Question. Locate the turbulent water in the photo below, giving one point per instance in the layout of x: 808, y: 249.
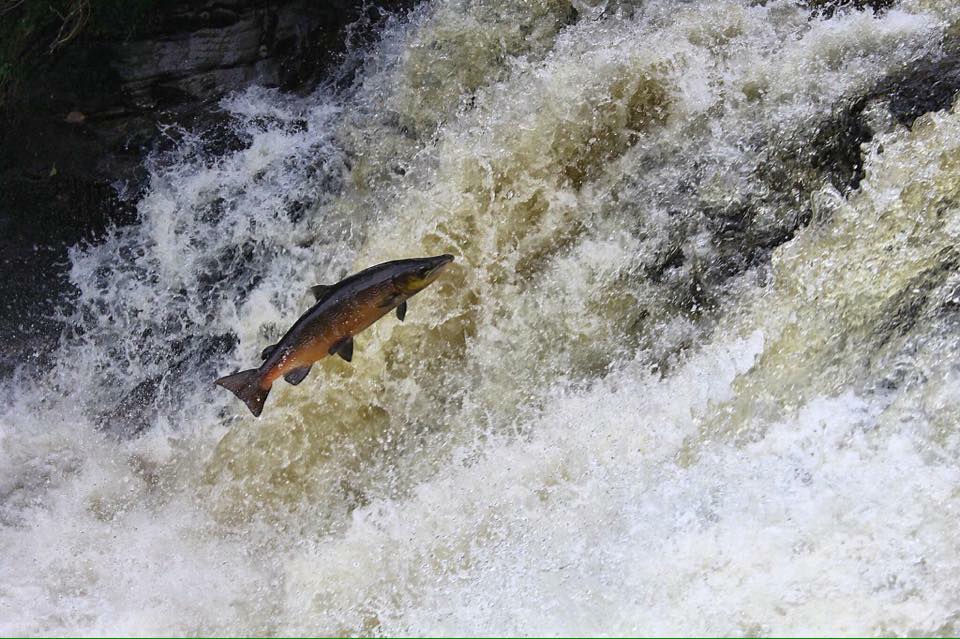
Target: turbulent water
x: 696, y: 368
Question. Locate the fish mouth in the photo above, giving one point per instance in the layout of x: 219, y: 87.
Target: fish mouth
x: 440, y: 262
x: 421, y: 273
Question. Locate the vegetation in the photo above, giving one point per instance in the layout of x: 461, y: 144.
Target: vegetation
x: 33, y: 30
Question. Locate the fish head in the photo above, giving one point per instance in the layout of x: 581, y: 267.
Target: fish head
x: 418, y: 274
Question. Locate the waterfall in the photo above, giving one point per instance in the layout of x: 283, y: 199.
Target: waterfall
x: 693, y: 371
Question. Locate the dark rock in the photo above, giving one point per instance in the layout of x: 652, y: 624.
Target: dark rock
x: 197, y: 357
x: 836, y: 153
x: 826, y: 8
x: 930, y: 85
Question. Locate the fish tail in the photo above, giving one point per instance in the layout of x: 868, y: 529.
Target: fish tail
x: 246, y: 386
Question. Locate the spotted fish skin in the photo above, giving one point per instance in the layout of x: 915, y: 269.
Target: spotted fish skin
x: 328, y: 327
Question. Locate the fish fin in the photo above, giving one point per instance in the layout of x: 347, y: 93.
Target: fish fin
x: 265, y: 353
x: 390, y: 300
x: 343, y: 348
x: 246, y: 386
x: 402, y: 310
x: 296, y: 375
x: 320, y: 291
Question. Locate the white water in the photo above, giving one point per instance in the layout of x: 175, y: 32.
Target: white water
x: 620, y: 413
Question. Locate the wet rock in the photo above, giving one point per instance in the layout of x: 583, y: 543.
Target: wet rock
x: 836, y: 152
x: 826, y: 8
x: 746, y: 230
x: 134, y: 411
x: 929, y: 85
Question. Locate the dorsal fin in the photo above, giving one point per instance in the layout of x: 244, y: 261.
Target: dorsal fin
x: 320, y: 291
x: 265, y: 353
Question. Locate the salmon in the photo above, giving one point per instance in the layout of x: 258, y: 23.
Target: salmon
x: 341, y: 311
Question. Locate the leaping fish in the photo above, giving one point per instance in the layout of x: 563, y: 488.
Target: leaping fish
x: 341, y: 311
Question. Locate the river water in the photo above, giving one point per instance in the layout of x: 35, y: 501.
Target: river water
x: 694, y: 370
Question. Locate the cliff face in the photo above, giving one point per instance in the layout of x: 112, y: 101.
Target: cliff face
x: 75, y: 131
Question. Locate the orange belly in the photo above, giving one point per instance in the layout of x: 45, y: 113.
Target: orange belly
x: 347, y: 322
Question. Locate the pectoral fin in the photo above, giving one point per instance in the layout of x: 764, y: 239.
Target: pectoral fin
x: 296, y: 375
x: 320, y: 291
x: 402, y: 311
x: 390, y: 300
x: 343, y: 348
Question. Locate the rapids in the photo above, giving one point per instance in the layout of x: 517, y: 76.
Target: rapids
x: 695, y: 369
